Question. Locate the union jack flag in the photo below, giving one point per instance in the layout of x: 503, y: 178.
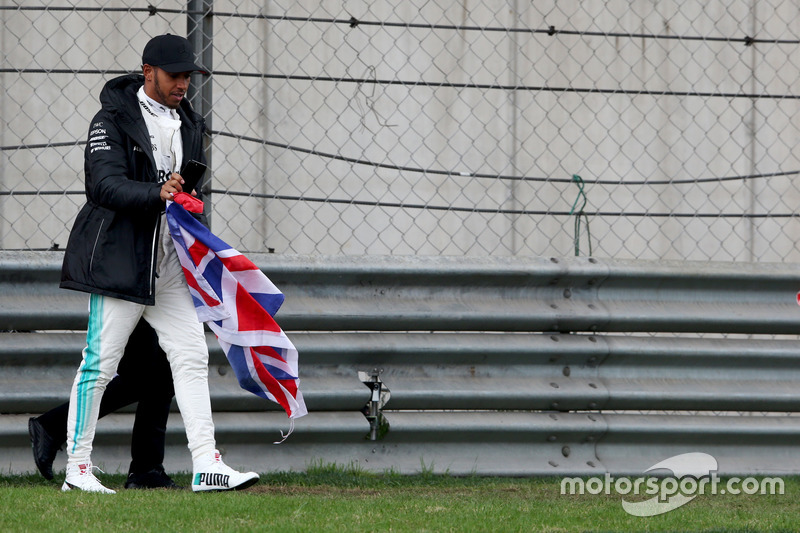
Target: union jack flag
x: 238, y: 302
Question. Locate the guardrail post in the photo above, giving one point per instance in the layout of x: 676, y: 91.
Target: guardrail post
x: 378, y: 426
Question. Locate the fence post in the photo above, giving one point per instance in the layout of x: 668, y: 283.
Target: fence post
x: 200, y: 31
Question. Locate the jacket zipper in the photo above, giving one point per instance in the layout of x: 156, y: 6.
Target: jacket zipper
x: 154, y: 256
x: 96, y: 238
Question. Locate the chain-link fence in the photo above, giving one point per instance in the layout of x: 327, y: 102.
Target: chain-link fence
x: 630, y: 129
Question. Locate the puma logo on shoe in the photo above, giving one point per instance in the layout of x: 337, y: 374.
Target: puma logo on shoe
x: 211, y: 479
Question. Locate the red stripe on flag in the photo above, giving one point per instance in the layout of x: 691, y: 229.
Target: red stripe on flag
x: 252, y: 317
x: 198, y: 251
x: 269, y: 351
x: 192, y: 282
x: 290, y: 385
x: 238, y: 263
x: 269, y: 381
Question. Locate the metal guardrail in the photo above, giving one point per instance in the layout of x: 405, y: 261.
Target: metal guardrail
x: 496, y: 366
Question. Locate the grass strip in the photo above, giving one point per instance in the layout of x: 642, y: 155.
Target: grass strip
x: 334, y: 498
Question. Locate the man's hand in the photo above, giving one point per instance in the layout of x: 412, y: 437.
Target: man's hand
x: 172, y: 186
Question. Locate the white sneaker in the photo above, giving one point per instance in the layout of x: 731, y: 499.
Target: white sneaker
x: 80, y: 476
x: 211, y: 474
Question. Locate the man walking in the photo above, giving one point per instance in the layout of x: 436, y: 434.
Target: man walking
x: 121, y: 252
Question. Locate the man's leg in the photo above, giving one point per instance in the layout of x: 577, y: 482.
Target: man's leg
x: 182, y: 338
x: 150, y: 371
x: 49, y: 431
x: 111, y: 322
x: 148, y: 445
x: 144, y: 376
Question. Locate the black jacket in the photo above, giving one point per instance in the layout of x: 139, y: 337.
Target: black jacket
x: 111, y: 249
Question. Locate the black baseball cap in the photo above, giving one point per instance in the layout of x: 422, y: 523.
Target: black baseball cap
x: 171, y: 53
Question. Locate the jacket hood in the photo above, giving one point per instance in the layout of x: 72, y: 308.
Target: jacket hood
x: 119, y: 96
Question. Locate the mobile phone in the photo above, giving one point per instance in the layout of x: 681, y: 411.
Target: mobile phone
x: 192, y: 173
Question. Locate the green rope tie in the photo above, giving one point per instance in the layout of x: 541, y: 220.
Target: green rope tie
x: 577, y: 228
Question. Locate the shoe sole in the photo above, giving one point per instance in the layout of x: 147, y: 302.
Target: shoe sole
x: 66, y: 487
x: 147, y: 487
